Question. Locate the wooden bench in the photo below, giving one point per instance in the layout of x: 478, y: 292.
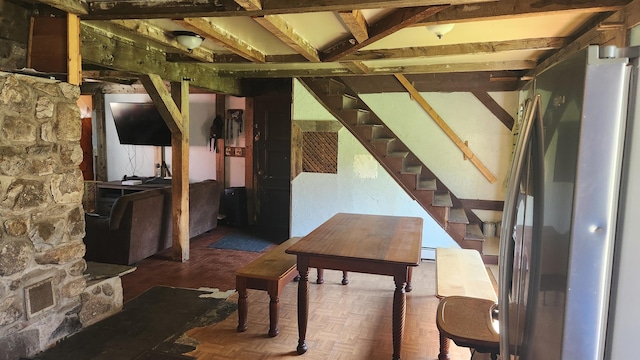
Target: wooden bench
x: 465, y: 313
x: 270, y: 272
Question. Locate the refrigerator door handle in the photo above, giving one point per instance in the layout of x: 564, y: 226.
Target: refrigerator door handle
x: 505, y: 273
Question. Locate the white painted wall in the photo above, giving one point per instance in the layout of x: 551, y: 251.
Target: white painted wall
x: 138, y: 160
x: 362, y: 186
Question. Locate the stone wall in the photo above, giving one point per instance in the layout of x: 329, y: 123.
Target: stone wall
x: 41, y: 215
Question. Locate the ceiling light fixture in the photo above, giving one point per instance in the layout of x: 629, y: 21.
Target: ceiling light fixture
x: 188, y: 39
x: 440, y: 29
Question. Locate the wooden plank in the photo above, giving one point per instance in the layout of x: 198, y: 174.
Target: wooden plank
x: 180, y: 179
x: 356, y: 23
x: 382, y: 28
x: 461, y: 272
x: 47, y: 50
x: 74, y: 62
x: 76, y: 7
x: 447, y: 130
x: 211, y: 31
x: 185, y: 8
x: 279, y: 27
x: 495, y: 108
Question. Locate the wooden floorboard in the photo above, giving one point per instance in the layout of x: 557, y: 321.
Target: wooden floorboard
x: 351, y: 322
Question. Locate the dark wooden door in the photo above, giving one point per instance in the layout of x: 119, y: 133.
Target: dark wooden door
x: 272, y: 163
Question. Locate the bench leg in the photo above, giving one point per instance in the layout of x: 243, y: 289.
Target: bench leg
x: 241, y: 286
x: 444, y: 348
x: 274, y: 309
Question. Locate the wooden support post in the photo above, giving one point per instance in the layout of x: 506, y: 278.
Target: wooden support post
x: 74, y: 63
x: 250, y: 175
x: 97, y: 100
x: 174, y: 109
x: 180, y: 179
x: 447, y: 130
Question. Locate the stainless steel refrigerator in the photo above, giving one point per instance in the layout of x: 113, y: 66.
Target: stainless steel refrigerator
x: 569, y: 255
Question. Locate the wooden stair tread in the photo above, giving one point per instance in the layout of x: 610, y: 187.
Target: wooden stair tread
x: 458, y: 216
x: 416, y: 169
x: 399, y: 154
x: 474, y: 233
x: 427, y: 185
x: 443, y: 199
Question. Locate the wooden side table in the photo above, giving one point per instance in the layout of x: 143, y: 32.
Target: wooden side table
x: 469, y: 323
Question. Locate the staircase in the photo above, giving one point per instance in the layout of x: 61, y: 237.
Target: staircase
x: 405, y: 167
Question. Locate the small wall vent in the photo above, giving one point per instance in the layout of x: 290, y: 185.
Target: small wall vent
x: 39, y: 297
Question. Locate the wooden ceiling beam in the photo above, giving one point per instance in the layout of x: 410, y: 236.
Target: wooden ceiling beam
x: 356, y: 67
x: 340, y: 70
x: 279, y: 27
x: 384, y: 27
x: 223, y: 38
x: 140, y: 9
x: 250, y: 4
x: 108, y: 51
x: 356, y: 23
x: 507, y: 9
x: 148, y: 31
x: 445, y: 82
x: 460, y: 49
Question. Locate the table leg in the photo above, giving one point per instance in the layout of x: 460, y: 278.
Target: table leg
x: 303, y: 304
x: 345, y: 278
x: 444, y: 348
x: 241, y: 286
x: 409, y: 287
x: 320, y: 278
x: 399, y: 310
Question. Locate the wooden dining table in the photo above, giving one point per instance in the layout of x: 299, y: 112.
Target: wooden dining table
x: 372, y: 244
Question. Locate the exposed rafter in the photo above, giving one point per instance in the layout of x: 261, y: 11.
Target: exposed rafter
x: 356, y: 23
x: 386, y: 26
x: 209, y: 30
x: 276, y: 25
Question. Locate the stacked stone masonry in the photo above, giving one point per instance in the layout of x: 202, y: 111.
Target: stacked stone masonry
x: 41, y: 216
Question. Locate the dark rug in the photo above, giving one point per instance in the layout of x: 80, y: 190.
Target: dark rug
x: 148, y: 327
x: 242, y: 242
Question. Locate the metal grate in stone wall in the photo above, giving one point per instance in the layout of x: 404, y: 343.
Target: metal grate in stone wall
x: 320, y: 152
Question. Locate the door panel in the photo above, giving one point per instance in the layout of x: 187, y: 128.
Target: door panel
x: 272, y: 154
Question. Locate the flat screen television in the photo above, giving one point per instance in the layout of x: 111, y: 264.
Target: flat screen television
x: 140, y: 124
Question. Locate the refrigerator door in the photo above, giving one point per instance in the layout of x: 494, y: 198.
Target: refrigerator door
x: 564, y: 221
